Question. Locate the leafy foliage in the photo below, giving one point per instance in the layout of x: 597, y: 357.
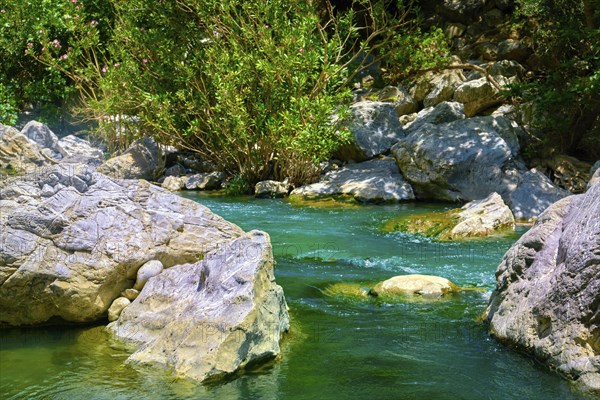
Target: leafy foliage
x: 565, y: 92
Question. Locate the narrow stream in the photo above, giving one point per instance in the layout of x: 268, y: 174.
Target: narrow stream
x: 338, y: 348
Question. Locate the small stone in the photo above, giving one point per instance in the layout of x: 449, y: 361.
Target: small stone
x: 147, y: 271
x: 117, y: 307
x: 130, y: 294
x: 415, y: 284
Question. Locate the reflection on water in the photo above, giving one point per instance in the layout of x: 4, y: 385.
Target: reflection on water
x: 337, y: 348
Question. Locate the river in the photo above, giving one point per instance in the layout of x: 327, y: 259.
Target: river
x: 338, y: 348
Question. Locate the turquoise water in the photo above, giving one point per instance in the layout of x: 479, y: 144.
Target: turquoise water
x: 338, y: 348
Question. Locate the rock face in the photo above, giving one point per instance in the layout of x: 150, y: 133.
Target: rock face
x: 423, y: 285
x: 375, y: 127
x: 375, y: 181
x: 475, y: 219
x: 210, y: 318
x: 548, y: 290
x: 18, y: 152
x: 71, y: 240
x: 142, y: 160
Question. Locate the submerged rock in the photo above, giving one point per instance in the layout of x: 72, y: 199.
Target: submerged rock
x: 427, y: 286
x: 548, y: 290
x: 375, y: 181
x: 475, y: 219
x: 210, y: 318
x: 68, y: 254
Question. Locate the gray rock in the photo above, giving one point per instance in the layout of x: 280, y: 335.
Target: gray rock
x: 511, y: 49
x: 142, y: 160
x: 211, y: 318
x: 19, y: 153
x: 270, y: 189
x: 206, y: 181
x: 594, y: 179
x: 478, y: 95
x: 375, y: 127
x: 174, y: 183
x: 117, y: 307
x: 459, y: 161
x: 70, y: 255
x: 400, y: 98
x: 443, y: 86
x: 533, y: 194
x: 175, y: 170
x: 548, y: 290
x: 45, y: 139
x: 373, y: 181
x: 73, y: 145
x: 441, y: 113
x: 483, y: 217
x: 595, y: 167
x: 507, y: 68
x: 463, y: 11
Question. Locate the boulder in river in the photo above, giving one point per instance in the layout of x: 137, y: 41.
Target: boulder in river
x: 427, y: 286
x: 374, y: 181
x: 270, y: 189
x: 548, y: 290
x: 71, y: 240
x: 210, y: 318
x: 475, y: 219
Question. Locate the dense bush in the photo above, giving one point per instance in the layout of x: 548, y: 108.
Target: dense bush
x: 53, y: 31
x: 565, y: 92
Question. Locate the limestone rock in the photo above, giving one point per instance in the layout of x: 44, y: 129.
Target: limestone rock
x: 45, y: 139
x: 463, y: 11
x: 442, y: 113
x: 375, y: 127
x: 147, y: 271
x: 73, y: 145
x: 424, y: 285
x: 548, y: 290
x: 270, y: 189
x: 400, y: 98
x: 443, y: 87
x: 174, y: 183
x: 458, y: 161
x: 478, y: 95
x: 19, y: 153
x: 205, y: 181
x: 511, y: 49
x: 142, y: 160
x: 506, y: 68
x: 70, y: 255
x: 175, y: 170
x: 117, y: 307
x: 210, y: 318
x: 475, y: 219
x: 483, y: 217
x: 534, y: 192
x: 373, y: 181
x: 130, y: 294
x: 594, y: 179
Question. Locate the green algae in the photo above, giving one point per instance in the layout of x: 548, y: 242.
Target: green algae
x: 334, y: 201
x: 436, y: 225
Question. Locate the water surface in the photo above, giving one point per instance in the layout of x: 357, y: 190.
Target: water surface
x: 338, y: 348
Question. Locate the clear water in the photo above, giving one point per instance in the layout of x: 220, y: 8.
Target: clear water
x: 338, y: 349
